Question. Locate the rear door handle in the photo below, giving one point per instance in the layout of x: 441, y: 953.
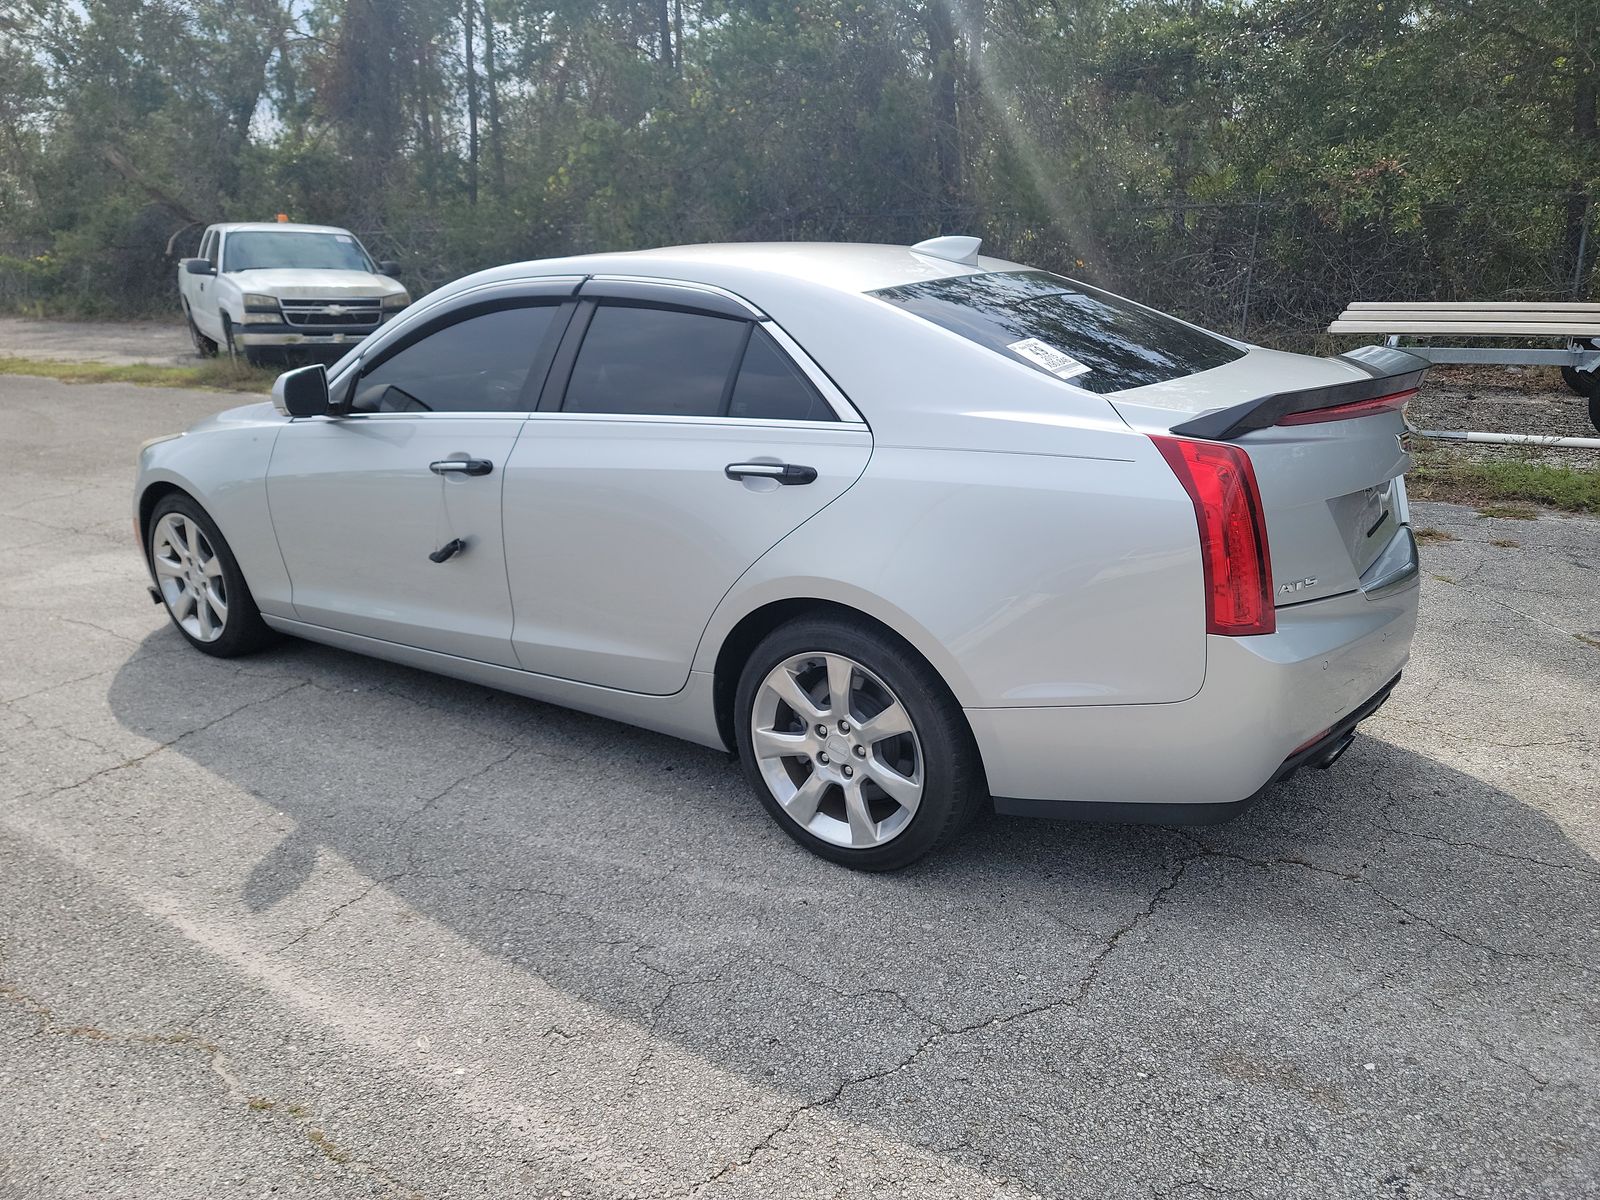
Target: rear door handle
x: 789, y: 473
x: 461, y: 466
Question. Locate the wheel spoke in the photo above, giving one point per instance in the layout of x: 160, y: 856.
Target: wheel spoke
x: 769, y: 743
x: 191, y: 539
x: 903, y: 791
x: 891, y: 722
x: 215, y: 603
x: 184, y: 606
x: 863, y: 830
x: 212, y: 567
x: 169, y: 568
x: 839, y: 672
x: 802, y: 806
x: 202, y: 613
x: 789, y: 690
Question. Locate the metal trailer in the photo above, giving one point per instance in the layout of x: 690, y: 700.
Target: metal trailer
x: 1412, y: 326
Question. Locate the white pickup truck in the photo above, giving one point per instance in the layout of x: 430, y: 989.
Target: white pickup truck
x: 269, y: 288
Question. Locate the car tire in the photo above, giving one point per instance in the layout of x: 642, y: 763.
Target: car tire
x: 199, y: 580
x: 204, y: 347
x: 827, y: 789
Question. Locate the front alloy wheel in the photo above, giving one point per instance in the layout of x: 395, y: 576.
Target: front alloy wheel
x: 190, y: 577
x: 854, y: 744
x: 199, y: 580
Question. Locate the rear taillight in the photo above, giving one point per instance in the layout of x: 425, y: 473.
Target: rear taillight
x: 1348, y: 412
x: 1233, y: 533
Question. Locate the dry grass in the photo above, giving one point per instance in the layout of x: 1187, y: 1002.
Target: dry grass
x: 1506, y: 488
x: 219, y: 374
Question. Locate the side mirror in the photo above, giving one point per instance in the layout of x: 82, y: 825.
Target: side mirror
x: 302, y: 392
x: 388, y: 266
x: 199, y: 266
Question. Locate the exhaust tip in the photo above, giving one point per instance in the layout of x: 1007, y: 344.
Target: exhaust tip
x: 1335, y: 752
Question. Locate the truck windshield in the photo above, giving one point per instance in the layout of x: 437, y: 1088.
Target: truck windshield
x: 258, y: 250
x: 1097, y: 341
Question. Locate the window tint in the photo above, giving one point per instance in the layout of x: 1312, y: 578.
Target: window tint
x: 476, y: 365
x: 771, y: 387
x: 655, y: 362
x: 1100, y: 342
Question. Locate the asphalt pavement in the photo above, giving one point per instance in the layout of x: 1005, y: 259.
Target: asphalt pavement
x: 307, y: 924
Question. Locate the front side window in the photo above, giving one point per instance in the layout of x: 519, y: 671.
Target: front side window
x: 208, y: 247
x: 256, y: 250
x: 479, y: 364
x: 1097, y: 341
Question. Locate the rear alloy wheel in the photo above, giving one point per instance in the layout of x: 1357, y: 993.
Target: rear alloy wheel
x: 855, y: 745
x: 200, y: 582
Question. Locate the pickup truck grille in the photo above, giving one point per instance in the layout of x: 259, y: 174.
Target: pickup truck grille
x: 341, y: 313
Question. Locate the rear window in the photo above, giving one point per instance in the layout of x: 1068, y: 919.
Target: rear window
x: 1070, y: 331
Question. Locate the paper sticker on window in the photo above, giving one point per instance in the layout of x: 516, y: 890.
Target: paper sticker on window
x: 1058, y: 363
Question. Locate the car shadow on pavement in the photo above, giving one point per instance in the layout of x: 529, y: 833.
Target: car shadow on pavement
x: 1370, y: 942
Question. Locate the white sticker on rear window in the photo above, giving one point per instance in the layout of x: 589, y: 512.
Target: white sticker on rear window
x: 1059, y: 363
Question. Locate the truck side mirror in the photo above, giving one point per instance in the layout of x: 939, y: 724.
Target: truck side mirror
x: 388, y: 266
x: 302, y: 392
x: 199, y: 266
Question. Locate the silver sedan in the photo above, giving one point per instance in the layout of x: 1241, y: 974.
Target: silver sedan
x: 914, y: 531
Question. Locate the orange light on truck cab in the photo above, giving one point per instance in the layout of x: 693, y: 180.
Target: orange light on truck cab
x: 283, y: 218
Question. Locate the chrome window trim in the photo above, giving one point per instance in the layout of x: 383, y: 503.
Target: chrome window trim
x: 658, y: 419
x: 665, y: 283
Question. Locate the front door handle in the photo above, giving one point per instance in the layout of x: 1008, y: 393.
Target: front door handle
x: 461, y: 466
x: 788, y: 473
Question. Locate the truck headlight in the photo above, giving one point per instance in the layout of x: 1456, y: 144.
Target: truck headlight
x: 260, y: 308
x: 394, y: 303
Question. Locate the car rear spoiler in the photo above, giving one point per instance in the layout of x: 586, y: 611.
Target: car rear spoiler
x: 1389, y: 373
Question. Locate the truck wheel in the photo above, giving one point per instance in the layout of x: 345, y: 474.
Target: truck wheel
x: 203, y: 346
x: 1581, y: 382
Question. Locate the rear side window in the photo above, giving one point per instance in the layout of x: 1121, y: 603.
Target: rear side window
x: 770, y: 387
x: 1100, y: 342
x: 479, y: 364
x: 666, y: 363
x: 654, y: 362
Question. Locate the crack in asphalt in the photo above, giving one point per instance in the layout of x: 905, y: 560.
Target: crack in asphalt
x: 137, y: 759
x: 1474, y: 740
x: 1388, y: 826
x: 49, y: 1024
x: 940, y: 1033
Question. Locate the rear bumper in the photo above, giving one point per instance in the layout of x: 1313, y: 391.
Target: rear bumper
x: 1268, y: 706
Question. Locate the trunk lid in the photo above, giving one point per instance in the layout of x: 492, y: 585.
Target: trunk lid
x: 1330, y: 490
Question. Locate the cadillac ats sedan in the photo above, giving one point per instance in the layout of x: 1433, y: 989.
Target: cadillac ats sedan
x: 913, y: 531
